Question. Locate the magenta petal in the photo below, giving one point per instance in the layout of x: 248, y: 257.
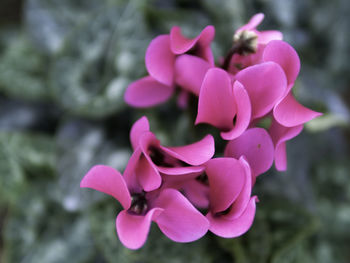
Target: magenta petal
x: 180, y: 220
x: 147, y: 174
x: 160, y: 60
x: 265, y: 37
x: 197, y: 193
x: 138, y: 128
x: 240, y: 204
x: 109, y: 181
x: 253, y: 22
x: 190, y: 72
x: 180, y: 44
x: 133, y: 229
x: 226, y: 180
x: 180, y: 170
x: 280, y: 134
x: 243, y: 112
x: 130, y: 175
x: 283, y: 54
x: 216, y: 104
x: 256, y: 145
x: 236, y: 227
x: 194, y: 154
x: 289, y: 112
x: 266, y: 83
x: 147, y: 92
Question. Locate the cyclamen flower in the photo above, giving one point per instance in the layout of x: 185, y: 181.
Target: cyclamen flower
x: 232, y: 208
x: 248, y: 45
x: 169, y: 209
x: 172, y: 59
x: 150, y: 158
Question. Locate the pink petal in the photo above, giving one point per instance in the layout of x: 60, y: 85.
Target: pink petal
x: 280, y: 134
x: 194, y: 154
x: 180, y: 170
x: 133, y: 229
x: 226, y: 180
x: 289, y: 112
x: 253, y: 22
x: 190, y: 72
x: 216, y: 104
x: 180, y: 44
x: 283, y: 54
x: 197, y: 193
x: 243, y: 112
x: 147, y: 92
x: 266, y: 84
x: 256, y: 145
x: 236, y: 227
x: 130, y: 175
x: 137, y: 129
x: 160, y: 60
x: 180, y: 221
x: 265, y: 37
x: 240, y: 204
x: 147, y: 174
x: 109, y: 181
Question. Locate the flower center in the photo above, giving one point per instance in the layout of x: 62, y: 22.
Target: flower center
x: 138, y: 204
x: 203, y: 178
x: 244, y: 43
x: 160, y: 158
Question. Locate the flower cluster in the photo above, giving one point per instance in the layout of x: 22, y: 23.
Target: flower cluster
x: 168, y: 185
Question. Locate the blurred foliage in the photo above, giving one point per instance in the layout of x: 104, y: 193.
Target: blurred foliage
x: 64, y: 66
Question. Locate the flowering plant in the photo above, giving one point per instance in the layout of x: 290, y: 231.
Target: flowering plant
x: 184, y: 190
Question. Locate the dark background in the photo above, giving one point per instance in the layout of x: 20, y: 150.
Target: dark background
x: 64, y: 66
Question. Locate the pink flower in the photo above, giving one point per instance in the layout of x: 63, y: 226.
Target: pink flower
x: 287, y: 110
x: 172, y: 59
x: 256, y: 146
x: 150, y: 158
x: 172, y: 212
x: 232, y: 208
x: 223, y: 104
x: 250, y: 44
x: 232, y: 107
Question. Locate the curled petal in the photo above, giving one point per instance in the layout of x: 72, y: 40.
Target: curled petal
x: 180, y: 44
x: 236, y: 227
x: 130, y: 175
x: 190, y: 72
x: 109, y: 181
x: 256, y: 145
x: 147, y: 92
x: 180, y: 170
x: 147, y: 174
x: 216, y: 104
x: 280, y: 134
x: 253, y: 22
x: 138, y: 128
x: 242, y: 201
x: 266, y: 83
x: 194, y: 154
x: 226, y: 179
x: 243, y: 112
x: 160, y: 60
x: 180, y: 221
x: 133, y: 229
x: 289, y: 112
x: 285, y: 55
